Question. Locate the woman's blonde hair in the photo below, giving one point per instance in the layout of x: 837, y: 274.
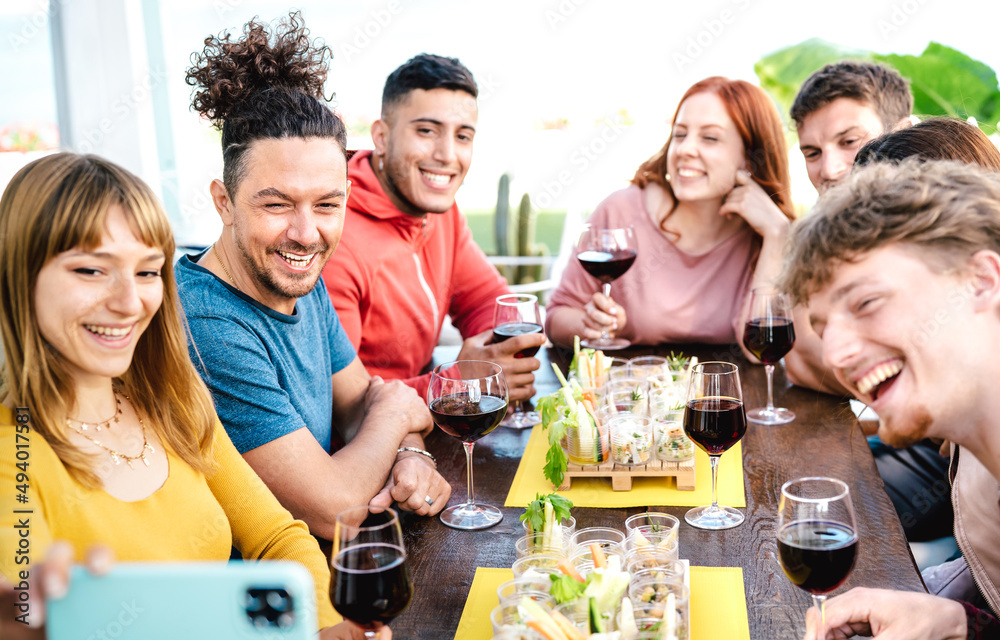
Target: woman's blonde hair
x: 61, y: 202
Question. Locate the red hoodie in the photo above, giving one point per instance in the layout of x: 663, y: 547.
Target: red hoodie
x: 393, y: 278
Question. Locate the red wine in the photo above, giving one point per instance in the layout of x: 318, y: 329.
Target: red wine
x: 460, y: 417
x: 817, y: 556
x: 511, y: 329
x: 606, y: 265
x: 769, y: 339
x: 715, y: 423
x: 371, y: 585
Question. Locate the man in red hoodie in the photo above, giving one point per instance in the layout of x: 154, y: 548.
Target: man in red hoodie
x: 407, y: 257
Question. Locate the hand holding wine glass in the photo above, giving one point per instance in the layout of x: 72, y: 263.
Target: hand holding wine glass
x: 606, y: 254
x: 468, y: 399
x: 714, y: 420
x: 517, y: 314
x: 769, y: 334
x: 817, y: 537
x: 370, y: 583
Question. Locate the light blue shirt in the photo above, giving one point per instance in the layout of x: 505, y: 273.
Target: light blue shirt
x: 269, y: 372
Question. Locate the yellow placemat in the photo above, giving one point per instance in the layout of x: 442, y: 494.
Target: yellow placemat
x: 718, y: 604
x: 596, y: 492
x: 475, y: 622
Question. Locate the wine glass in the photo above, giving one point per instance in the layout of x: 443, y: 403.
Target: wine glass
x: 468, y: 399
x: 370, y: 583
x: 516, y: 314
x: 606, y: 254
x: 714, y: 420
x: 769, y: 334
x: 817, y: 537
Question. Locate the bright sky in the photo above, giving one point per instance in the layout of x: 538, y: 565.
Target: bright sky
x: 535, y: 60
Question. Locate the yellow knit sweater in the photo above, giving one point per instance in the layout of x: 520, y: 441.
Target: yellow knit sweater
x: 190, y: 517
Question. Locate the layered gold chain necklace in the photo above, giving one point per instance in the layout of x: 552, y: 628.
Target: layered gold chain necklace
x: 116, y: 455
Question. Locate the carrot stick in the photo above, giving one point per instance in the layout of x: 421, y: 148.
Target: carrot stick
x: 570, y: 570
x: 600, y: 560
x: 549, y: 633
x: 572, y: 633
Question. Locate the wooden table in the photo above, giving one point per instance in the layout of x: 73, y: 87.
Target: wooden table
x: 825, y: 439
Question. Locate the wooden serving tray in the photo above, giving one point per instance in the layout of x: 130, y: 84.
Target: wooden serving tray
x: 621, y: 475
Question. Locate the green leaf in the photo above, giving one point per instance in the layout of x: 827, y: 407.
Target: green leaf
x: 561, y: 505
x: 945, y: 81
x: 535, y: 513
x: 557, y: 431
x: 555, y: 464
x: 566, y: 589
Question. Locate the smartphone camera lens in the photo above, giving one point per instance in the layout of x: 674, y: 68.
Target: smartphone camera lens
x: 277, y: 600
x: 269, y: 608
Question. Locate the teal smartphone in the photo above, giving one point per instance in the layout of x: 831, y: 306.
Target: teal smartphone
x: 187, y: 601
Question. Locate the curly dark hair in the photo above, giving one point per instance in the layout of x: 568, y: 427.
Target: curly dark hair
x: 263, y: 85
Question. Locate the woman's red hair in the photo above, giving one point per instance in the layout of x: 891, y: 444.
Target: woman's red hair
x: 760, y: 128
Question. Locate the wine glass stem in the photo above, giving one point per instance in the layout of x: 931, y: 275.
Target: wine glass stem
x: 715, y: 481
x: 769, y: 368
x: 471, y: 490
x: 820, y: 602
x: 606, y: 289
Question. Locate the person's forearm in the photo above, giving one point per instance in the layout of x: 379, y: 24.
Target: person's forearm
x: 765, y: 275
x: 803, y: 370
x: 361, y: 470
x: 769, y: 262
x: 564, y: 323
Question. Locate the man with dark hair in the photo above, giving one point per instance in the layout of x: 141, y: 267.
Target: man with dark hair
x: 840, y: 108
x: 290, y: 390
x: 408, y: 258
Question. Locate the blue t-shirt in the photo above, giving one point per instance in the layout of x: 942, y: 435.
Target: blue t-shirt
x: 269, y: 373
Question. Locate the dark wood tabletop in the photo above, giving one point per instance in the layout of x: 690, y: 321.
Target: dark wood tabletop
x: 825, y: 439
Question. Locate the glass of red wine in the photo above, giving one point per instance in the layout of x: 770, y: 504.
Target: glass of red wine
x: 370, y: 584
x: 606, y: 254
x: 769, y: 334
x: 516, y: 314
x: 817, y: 537
x: 468, y: 399
x: 714, y: 420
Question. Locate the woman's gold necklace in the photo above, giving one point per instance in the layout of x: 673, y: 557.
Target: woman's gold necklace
x: 117, y: 456
x: 104, y: 424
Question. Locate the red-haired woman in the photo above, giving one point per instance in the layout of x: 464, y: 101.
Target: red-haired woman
x: 710, y: 210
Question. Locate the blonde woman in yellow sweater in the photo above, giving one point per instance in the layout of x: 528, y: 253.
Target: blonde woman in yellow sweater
x: 124, y: 450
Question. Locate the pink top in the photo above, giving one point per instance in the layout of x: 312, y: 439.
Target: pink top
x: 668, y: 295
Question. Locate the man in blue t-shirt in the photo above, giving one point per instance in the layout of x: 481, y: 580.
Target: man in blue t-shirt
x: 288, y: 386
